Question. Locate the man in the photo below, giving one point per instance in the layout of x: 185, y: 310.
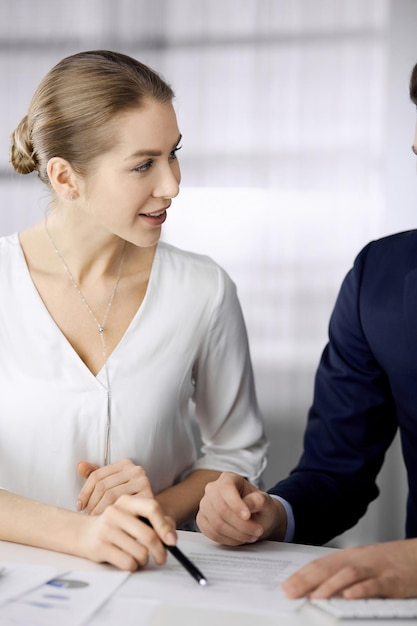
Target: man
x: 366, y: 388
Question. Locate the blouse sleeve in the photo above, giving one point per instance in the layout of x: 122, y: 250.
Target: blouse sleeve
x: 227, y: 412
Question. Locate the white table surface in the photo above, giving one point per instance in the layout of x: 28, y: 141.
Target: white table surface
x: 167, y: 615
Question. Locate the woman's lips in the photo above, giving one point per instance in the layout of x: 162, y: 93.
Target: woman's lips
x: 156, y: 218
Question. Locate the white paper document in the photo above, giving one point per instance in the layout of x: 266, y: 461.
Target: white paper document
x: 19, y: 578
x: 125, y: 611
x: 68, y: 600
x: 246, y: 578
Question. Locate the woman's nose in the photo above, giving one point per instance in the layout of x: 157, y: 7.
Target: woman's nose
x: 168, y: 185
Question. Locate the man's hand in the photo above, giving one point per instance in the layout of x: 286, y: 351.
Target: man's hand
x: 233, y: 512
x: 384, y: 570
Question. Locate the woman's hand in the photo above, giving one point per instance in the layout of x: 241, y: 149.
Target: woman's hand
x: 233, y: 512
x: 106, y: 484
x: 383, y: 570
x: 118, y: 537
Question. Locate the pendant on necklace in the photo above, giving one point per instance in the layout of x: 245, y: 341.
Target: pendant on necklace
x: 100, y: 329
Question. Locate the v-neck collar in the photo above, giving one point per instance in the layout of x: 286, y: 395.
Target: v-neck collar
x: 42, y: 314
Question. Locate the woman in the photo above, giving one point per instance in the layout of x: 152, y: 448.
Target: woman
x: 108, y: 337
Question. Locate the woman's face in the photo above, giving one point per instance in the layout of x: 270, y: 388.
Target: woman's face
x: 131, y: 186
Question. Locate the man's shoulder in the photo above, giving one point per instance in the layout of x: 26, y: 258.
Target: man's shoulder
x: 392, y: 251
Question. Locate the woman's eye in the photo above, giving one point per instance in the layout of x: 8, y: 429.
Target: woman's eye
x: 144, y: 167
x: 173, y: 154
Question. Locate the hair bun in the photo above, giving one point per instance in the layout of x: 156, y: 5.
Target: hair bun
x: 22, y: 158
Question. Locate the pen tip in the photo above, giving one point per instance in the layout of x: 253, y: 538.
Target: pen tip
x: 202, y: 581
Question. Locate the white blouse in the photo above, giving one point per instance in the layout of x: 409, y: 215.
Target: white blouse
x: 183, y: 360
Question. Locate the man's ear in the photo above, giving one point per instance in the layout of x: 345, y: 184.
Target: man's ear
x: 62, y: 177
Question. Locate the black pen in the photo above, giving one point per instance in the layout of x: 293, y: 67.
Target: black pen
x: 181, y: 558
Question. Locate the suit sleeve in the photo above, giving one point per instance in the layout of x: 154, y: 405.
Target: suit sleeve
x: 350, y: 426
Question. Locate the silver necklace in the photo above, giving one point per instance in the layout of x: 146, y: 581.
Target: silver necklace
x: 101, y: 329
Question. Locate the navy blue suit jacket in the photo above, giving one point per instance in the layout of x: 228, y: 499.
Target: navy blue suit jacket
x: 365, y: 388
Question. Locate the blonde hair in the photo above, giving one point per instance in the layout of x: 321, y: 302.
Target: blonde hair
x: 70, y: 113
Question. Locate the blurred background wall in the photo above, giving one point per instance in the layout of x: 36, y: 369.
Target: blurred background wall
x: 296, y: 152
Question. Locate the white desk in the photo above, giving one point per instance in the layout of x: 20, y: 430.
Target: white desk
x: 169, y: 615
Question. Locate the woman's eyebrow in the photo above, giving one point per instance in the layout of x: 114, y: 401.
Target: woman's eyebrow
x: 149, y: 152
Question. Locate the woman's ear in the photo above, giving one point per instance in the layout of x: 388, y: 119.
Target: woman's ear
x: 62, y: 178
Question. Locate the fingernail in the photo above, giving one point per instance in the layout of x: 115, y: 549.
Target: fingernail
x: 316, y: 595
x: 79, y: 505
x: 288, y: 590
x: 171, y: 538
x: 244, y: 514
